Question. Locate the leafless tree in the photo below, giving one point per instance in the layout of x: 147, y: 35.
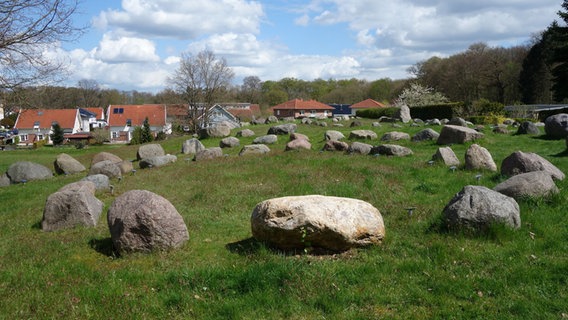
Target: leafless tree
x: 90, y: 93
x: 27, y: 29
x: 200, y: 79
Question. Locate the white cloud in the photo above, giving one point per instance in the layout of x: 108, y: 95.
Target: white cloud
x: 126, y: 49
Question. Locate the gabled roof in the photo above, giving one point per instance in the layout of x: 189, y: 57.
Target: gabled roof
x: 99, y: 112
x: 246, y: 113
x: 367, y: 104
x: 299, y: 104
x: 44, y: 118
x: 177, y: 110
x: 119, y: 114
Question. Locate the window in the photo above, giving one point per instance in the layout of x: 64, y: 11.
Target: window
x: 36, y: 125
x: 302, y: 112
x: 277, y: 112
x: 24, y: 137
x: 114, y: 135
x: 40, y: 136
x: 129, y: 122
x: 118, y: 110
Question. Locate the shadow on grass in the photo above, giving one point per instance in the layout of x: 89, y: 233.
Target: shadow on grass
x: 251, y: 246
x: 245, y: 247
x: 103, y: 246
x: 561, y: 154
x: 37, y: 225
x: 496, y: 232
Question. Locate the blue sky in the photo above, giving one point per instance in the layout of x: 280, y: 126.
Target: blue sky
x: 136, y: 44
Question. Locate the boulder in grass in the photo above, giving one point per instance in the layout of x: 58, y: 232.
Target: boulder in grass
x: 331, y: 223
x: 283, y: 129
x: 556, y: 126
x: 81, y: 185
x: 391, y: 150
x: 333, y: 135
x: 125, y: 166
x: 245, y: 133
x: 101, y: 181
x: 298, y: 144
x: 359, y: 148
x: 335, y: 145
x: 66, y: 164
x: 220, y: 130
x: 4, y: 180
x: 106, y: 167
x: 395, y: 136
x: 105, y: 156
x: 520, y: 162
x: 457, y: 121
x: 478, y: 207
x: 403, y: 113
x: 23, y: 171
x: 229, y: 142
x: 208, y: 154
x: 142, y: 221
x: 73, y: 206
x: 425, y: 135
x: 447, y: 156
x: 299, y: 136
x: 192, y: 146
x: 266, y: 139
x: 457, y: 134
x: 479, y: 158
x: 362, y: 135
x: 157, y: 161
x: 528, y: 127
x: 149, y: 151
x: 254, y: 149
x: 531, y: 184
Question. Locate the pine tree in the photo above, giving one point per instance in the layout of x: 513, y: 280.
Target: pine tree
x: 57, y: 134
x: 146, y: 132
x: 559, y: 56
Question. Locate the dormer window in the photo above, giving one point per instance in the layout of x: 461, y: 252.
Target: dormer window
x: 129, y: 122
x: 36, y: 125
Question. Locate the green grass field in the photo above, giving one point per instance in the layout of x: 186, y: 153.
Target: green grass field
x: 418, y: 272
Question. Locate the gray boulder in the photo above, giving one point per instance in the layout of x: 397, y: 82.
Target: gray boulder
x: 66, y: 164
x: 254, y: 149
x: 220, y: 130
x: 23, y: 171
x: 334, y: 145
x: 299, y: 136
x: 298, y: 144
x: 259, y: 121
x: 267, y: 139
x: 521, y: 162
x: 101, y: 181
x: 331, y: 223
x: 73, y: 206
x: 479, y: 158
x: 283, y: 129
x: 359, y: 148
x: 125, y: 166
x: 478, y: 207
x: 192, y: 146
x: 532, y: 184
x: 362, y: 135
x: 81, y: 185
x: 556, y: 126
x: 229, y: 142
x: 208, y: 154
x: 333, y: 135
x: 271, y: 119
x: 457, y: 121
x: 157, y: 161
x: 425, y: 135
x: 403, y: 113
x: 433, y: 122
x: 528, y: 127
x: 106, y: 167
x: 306, y: 121
x: 142, y: 221
x: 457, y: 134
x: 391, y: 150
x: 447, y: 156
x: 245, y: 133
x: 355, y: 123
x: 395, y: 136
x: 149, y: 151
x: 4, y: 180
x: 105, y: 156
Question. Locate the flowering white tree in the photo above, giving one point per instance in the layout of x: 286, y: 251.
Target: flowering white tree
x: 418, y: 95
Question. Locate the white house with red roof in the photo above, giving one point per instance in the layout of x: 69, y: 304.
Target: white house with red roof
x: 299, y: 108
x: 37, y: 124
x: 122, y: 119
x: 365, y: 104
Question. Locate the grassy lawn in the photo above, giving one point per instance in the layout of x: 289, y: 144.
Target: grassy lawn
x: 418, y: 272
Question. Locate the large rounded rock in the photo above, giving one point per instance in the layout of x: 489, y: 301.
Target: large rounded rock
x: 298, y: 136
x: 457, y: 121
x: 254, y: 149
x: 105, y: 156
x: 425, y: 135
x: 282, y: 129
x: 391, y: 150
x: 403, y: 113
x: 331, y: 223
x: 556, y: 126
x: 74, y: 206
x: 157, y: 161
x: 395, y: 136
x: 66, y: 164
x: 362, y: 135
x: 521, y: 162
x: 149, y: 151
x: 23, y: 171
x: 335, y: 145
x: 478, y: 207
x: 125, y: 166
x: 479, y: 158
x: 192, y: 146
x: 447, y: 156
x: 528, y: 127
x: 101, y: 181
x: 142, y: 221
x: 218, y: 131
x: 333, y: 135
x: 81, y: 185
x: 107, y: 167
x: 267, y: 139
x: 457, y: 134
x: 4, y: 180
x: 229, y: 142
x: 208, y: 154
x: 245, y: 133
x: 532, y: 184
x: 359, y: 148
x: 298, y: 144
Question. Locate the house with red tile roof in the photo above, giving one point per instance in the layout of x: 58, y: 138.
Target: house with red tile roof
x: 122, y: 119
x: 299, y: 108
x: 36, y: 124
x: 366, y: 104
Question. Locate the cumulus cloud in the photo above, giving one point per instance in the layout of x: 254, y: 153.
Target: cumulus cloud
x: 126, y: 49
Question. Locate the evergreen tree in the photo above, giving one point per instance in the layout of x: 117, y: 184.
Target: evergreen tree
x: 57, y: 134
x: 559, y: 55
x: 146, y: 132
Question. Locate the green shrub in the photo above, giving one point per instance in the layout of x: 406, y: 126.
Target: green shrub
x: 136, y: 136
x: 376, y: 113
x: 439, y: 111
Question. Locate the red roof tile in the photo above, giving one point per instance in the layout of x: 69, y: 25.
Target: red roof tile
x: 299, y: 104
x: 367, y: 104
x: 100, y: 112
x: 119, y: 114
x: 177, y: 110
x: 28, y: 118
